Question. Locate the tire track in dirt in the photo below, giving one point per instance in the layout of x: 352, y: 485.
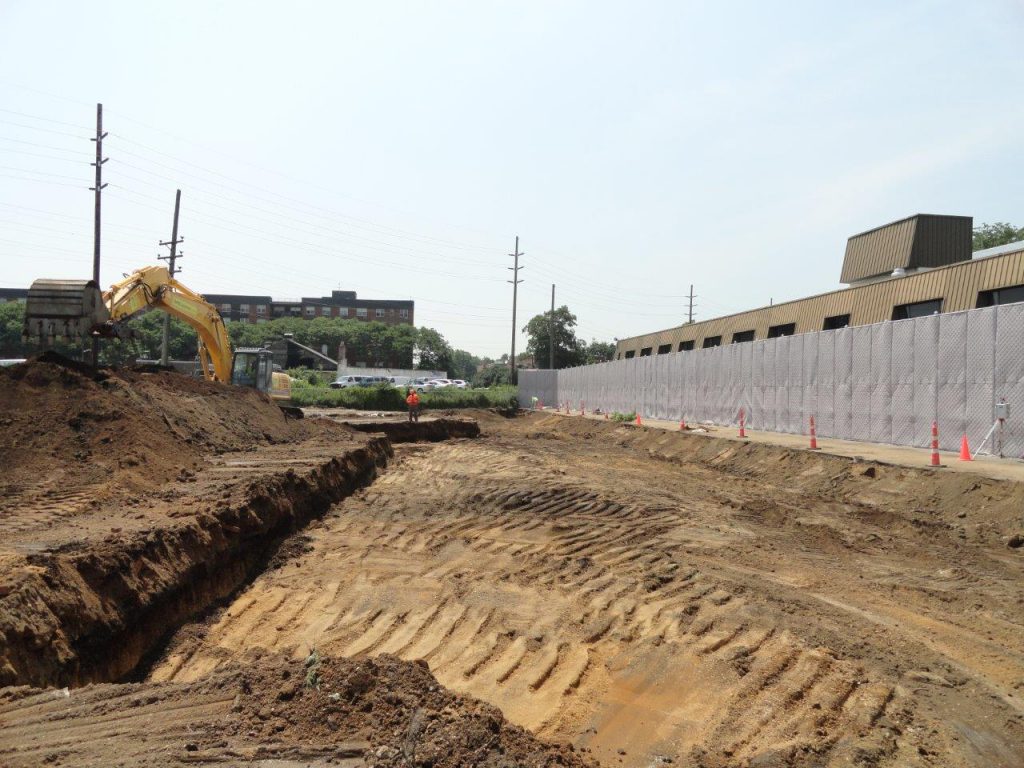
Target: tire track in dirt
x: 573, y: 610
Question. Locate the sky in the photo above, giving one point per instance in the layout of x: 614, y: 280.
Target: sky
x: 398, y: 148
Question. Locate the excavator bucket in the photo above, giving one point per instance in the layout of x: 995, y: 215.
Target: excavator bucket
x: 70, y: 309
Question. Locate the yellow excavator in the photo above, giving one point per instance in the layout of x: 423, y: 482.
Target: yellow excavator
x: 78, y: 309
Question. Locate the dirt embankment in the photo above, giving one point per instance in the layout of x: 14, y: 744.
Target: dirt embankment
x: 65, y: 426
x: 132, y: 500
x: 91, y: 611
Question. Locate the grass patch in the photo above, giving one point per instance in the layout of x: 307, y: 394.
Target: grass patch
x: 388, y: 398
x: 624, y: 417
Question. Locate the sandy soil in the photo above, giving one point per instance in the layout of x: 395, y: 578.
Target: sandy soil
x: 726, y: 605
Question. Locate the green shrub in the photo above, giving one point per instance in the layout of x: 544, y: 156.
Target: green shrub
x: 624, y: 416
x: 388, y: 398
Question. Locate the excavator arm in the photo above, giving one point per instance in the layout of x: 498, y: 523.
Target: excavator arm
x: 154, y: 288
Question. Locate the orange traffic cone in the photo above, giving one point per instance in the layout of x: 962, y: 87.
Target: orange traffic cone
x: 682, y: 424
x: 965, y: 449
x: 638, y: 422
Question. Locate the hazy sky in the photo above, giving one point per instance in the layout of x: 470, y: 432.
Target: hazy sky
x: 397, y: 148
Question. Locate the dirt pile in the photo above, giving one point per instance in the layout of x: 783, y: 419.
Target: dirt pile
x: 397, y: 706
x: 65, y: 425
x: 321, y: 711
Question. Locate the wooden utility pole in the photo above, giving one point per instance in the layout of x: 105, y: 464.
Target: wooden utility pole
x: 515, y: 291
x: 551, y: 331
x: 173, y: 243
x: 690, y: 312
x: 98, y: 189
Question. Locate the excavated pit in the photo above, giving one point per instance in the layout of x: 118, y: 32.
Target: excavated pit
x: 647, y: 598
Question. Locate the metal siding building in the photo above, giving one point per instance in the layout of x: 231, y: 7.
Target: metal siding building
x: 921, y: 242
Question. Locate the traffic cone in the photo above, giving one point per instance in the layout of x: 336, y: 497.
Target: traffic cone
x: 638, y: 422
x: 935, y: 445
x: 965, y: 449
x: 743, y: 432
x: 682, y: 425
x: 814, y: 436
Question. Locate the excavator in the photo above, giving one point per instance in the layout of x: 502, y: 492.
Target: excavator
x: 77, y: 309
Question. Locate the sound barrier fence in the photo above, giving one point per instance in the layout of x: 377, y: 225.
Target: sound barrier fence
x: 883, y: 383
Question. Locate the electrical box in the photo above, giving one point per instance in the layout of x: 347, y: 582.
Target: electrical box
x: 1002, y: 410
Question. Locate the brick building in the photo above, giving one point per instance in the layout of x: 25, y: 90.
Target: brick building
x: 343, y: 304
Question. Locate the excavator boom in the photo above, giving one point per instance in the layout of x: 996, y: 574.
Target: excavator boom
x: 76, y: 309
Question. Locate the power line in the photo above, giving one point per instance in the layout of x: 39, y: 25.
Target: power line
x: 515, y: 292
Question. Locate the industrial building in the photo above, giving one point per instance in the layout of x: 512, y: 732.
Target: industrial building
x: 920, y: 265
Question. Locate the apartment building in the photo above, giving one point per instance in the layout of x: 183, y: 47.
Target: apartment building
x: 344, y: 304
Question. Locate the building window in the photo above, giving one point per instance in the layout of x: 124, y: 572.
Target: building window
x: 685, y: 346
x: 361, y: 313
x: 261, y: 310
x: 260, y: 320
x: 404, y: 314
x: 741, y: 336
x: 225, y: 309
x: 295, y: 311
x: 835, y: 322
x: 310, y: 311
x: 917, y: 309
x: 1009, y: 295
x: 712, y: 341
x: 243, y: 309
x: 379, y: 313
x: 630, y: 354
x: 646, y: 351
x: 785, y: 329
x: 664, y: 349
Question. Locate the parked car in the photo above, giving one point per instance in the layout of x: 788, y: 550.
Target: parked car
x: 460, y: 383
x: 344, y: 382
x: 422, y: 384
x: 441, y: 383
x: 400, y: 382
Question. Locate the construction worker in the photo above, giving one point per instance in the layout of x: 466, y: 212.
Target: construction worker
x: 413, y: 401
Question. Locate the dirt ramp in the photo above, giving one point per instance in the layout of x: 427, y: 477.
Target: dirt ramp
x: 272, y: 710
x: 433, y: 431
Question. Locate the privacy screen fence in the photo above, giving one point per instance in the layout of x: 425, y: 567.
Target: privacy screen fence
x: 883, y: 383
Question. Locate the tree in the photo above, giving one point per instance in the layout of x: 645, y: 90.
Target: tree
x: 491, y: 376
x: 569, y: 350
x: 599, y: 351
x: 432, y: 351
x: 464, y: 365
x: 992, y: 235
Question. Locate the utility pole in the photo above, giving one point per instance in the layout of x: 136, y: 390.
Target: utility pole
x: 551, y: 331
x: 98, y: 189
x: 173, y: 243
x: 515, y: 291
x: 690, y: 312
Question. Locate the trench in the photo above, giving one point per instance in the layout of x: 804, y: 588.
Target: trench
x: 100, y: 611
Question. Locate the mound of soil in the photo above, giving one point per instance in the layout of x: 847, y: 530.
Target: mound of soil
x: 64, y: 422
x: 272, y: 710
x: 398, y: 707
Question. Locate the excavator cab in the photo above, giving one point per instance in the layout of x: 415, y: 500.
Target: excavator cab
x: 253, y: 367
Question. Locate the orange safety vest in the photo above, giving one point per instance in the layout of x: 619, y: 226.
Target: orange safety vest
x: 413, y: 399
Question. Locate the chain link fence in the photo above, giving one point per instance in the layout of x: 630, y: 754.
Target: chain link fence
x: 883, y: 383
